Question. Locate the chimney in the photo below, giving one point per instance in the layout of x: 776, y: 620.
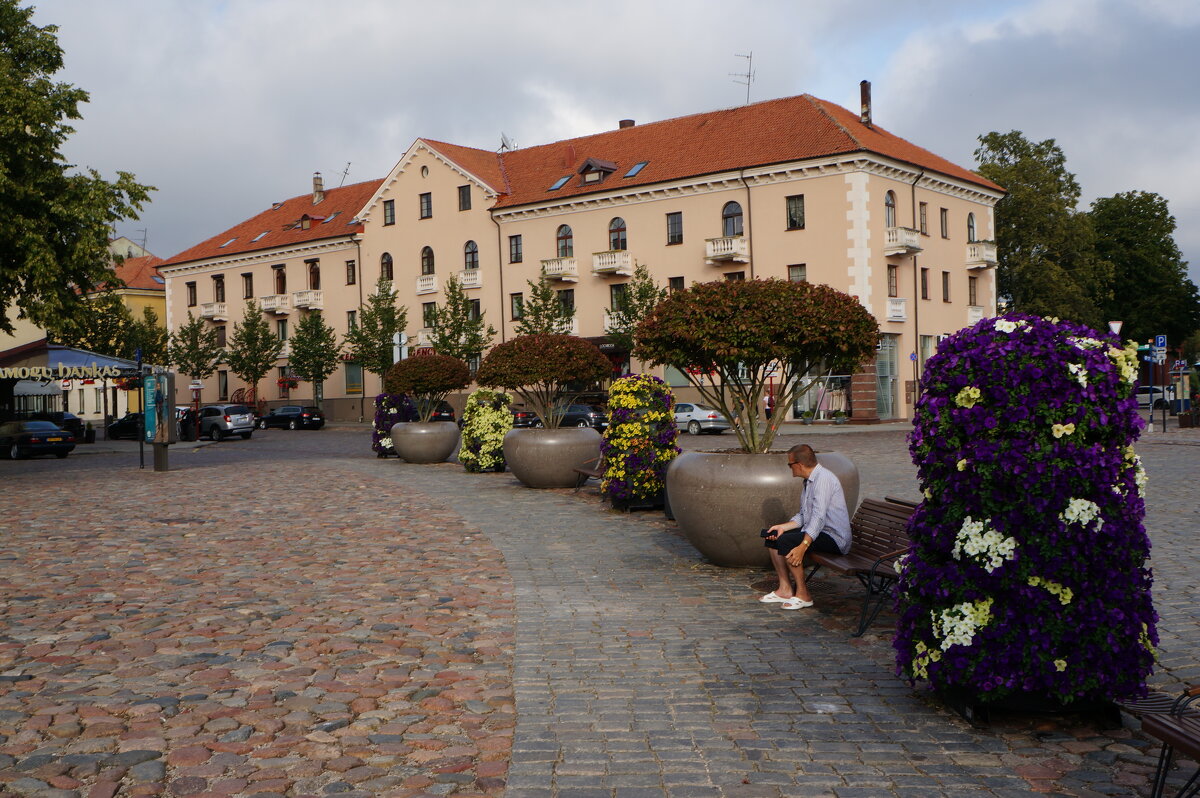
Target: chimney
x: 624, y: 123
x: 864, y: 89
x: 318, y: 188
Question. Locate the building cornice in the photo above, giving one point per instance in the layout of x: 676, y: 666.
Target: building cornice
x: 242, y: 259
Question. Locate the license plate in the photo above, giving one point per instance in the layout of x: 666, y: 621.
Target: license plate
x: 54, y: 439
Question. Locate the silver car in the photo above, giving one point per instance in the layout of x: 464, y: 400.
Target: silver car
x: 697, y: 418
x: 217, y: 421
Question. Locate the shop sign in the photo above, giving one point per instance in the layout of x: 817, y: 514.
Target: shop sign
x: 61, y: 373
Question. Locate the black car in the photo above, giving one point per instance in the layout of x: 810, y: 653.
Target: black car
x: 293, y: 417
x: 443, y: 412
x: 525, y: 418
x: 572, y: 416
x: 128, y: 426
x: 20, y: 439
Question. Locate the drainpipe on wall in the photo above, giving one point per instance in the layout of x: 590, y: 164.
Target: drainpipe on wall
x: 746, y: 222
x: 361, y: 276
x: 916, y: 298
x: 500, y: 256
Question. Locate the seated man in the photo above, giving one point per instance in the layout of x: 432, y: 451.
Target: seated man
x: 823, y: 523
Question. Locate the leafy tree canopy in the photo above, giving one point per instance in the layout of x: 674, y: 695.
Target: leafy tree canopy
x: 315, y: 353
x: 54, y: 235
x: 1048, y: 264
x: 253, y: 347
x: 458, y: 328
x: 193, y: 348
x: 541, y: 368
x: 640, y: 296
x: 369, y: 342
x: 543, y: 311
x: 743, y: 332
x: 428, y: 379
x: 1152, y: 293
x: 100, y: 324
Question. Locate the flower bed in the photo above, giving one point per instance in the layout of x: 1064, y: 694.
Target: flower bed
x: 639, y: 443
x: 1028, y: 570
x: 390, y: 409
x: 486, y: 420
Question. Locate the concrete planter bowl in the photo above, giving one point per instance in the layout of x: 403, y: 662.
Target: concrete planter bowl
x: 432, y: 442
x: 545, y: 458
x: 722, y: 499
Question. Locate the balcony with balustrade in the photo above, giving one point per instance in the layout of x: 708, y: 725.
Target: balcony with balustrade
x: 310, y: 299
x: 901, y: 241
x: 614, y: 261
x: 470, y: 278
x: 981, y: 255
x: 215, y: 311
x: 726, y: 249
x: 897, y: 309
x: 564, y: 269
x: 279, y: 304
x: 427, y: 284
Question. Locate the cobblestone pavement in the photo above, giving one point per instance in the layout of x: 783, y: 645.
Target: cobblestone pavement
x: 303, y: 619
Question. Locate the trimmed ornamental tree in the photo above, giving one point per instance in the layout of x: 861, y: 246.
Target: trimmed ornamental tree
x: 428, y: 379
x: 486, y: 420
x: 745, y: 332
x: 1027, y: 575
x: 541, y: 368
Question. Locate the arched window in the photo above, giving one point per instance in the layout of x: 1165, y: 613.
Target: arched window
x: 731, y: 219
x: 470, y: 256
x: 566, y: 242
x: 971, y: 228
x: 889, y: 209
x: 427, y: 260
x: 616, y: 234
x: 385, y: 266
x: 314, y: 276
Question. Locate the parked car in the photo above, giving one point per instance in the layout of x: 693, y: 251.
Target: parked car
x: 696, y: 418
x: 127, y: 426
x: 217, y: 421
x: 592, y: 416
x: 1144, y: 393
x: 293, y: 417
x: 524, y: 418
x: 444, y: 412
x: 20, y: 439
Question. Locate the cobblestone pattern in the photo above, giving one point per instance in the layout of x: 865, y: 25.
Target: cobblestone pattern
x: 285, y: 630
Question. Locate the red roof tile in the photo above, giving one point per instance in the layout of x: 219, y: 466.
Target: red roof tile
x: 775, y: 131
x: 280, y: 225
x: 140, y: 273
x: 481, y: 163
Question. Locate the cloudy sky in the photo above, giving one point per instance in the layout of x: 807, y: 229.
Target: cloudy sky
x: 229, y: 105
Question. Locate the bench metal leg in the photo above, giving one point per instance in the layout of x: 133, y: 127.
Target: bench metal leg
x: 879, y: 590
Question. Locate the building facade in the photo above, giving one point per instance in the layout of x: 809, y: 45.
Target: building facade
x: 796, y: 188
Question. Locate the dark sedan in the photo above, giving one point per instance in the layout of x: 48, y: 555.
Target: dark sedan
x: 293, y: 417
x: 127, y: 426
x: 525, y: 418
x: 572, y: 416
x: 20, y: 439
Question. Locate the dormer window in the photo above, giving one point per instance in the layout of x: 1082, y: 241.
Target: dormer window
x: 595, y: 170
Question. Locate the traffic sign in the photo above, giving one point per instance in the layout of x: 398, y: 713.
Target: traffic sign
x: 1160, y: 342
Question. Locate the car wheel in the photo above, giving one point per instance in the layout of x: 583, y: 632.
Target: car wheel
x: 693, y: 428
x: 292, y: 424
x: 583, y: 423
x: 246, y: 435
x: 61, y: 455
x: 536, y: 423
x: 217, y: 434
x: 15, y: 453
x: 262, y: 423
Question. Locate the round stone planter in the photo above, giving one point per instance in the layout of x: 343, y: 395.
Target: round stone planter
x: 546, y: 458
x: 722, y: 499
x: 432, y: 442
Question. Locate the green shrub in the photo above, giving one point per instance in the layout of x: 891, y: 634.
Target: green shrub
x: 486, y: 420
x: 427, y: 379
x: 541, y: 368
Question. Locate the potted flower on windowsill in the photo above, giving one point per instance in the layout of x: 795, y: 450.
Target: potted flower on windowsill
x: 540, y: 369
x: 288, y: 383
x: 428, y: 379
x: 1028, y: 579
x: 750, y: 333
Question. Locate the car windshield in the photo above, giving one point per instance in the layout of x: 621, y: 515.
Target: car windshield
x: 699, y: 406
x: 310, y: 409
x: 236, y: 410
x: 39, y: 426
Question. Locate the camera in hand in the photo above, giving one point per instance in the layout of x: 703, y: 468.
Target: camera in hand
x: 764, y: 533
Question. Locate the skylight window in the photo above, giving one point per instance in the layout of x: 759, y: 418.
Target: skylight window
x: 331, y: 217
x: 227, y: 243
x: 562, y: 181
x: 260, y: 235
x: 637, y: 167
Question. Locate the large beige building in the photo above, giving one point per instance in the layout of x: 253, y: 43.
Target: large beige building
x: 795, y: 188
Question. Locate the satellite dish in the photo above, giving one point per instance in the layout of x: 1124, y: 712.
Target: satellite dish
x: 506, y: 144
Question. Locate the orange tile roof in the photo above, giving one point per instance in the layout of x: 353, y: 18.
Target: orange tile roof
x: 140, y: 273
x: 280, y: 225
x: 771, y: 132
x: 483, y: 164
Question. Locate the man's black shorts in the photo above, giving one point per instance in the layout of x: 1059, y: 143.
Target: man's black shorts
x: 793, y: 538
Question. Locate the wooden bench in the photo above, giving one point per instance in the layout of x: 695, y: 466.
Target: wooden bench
x: 592, y: 469
x: 1177, y: 723
x: 878, y: 536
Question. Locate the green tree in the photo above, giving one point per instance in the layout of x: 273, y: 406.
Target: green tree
x: 193, y: 349
x: 458, y: 328
x: 369, y: 342
x: 54, y: 235
x: 427, y: 379
x: 253, y: 347
x: 541, y: 369
x: 315, y: 352
x: 1047, y: 257
x: 149, y: 336
x: 544, y: 313
x: 100, y: 324
x: 1152, y: 294
x: 636, y: 302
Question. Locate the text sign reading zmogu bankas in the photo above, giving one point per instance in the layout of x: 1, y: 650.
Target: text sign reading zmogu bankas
x: 60, y: 373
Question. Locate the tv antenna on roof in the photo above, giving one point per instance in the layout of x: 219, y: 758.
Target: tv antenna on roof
x: 747, y: 77
x: 506, y: 144
x: 345, y: 172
